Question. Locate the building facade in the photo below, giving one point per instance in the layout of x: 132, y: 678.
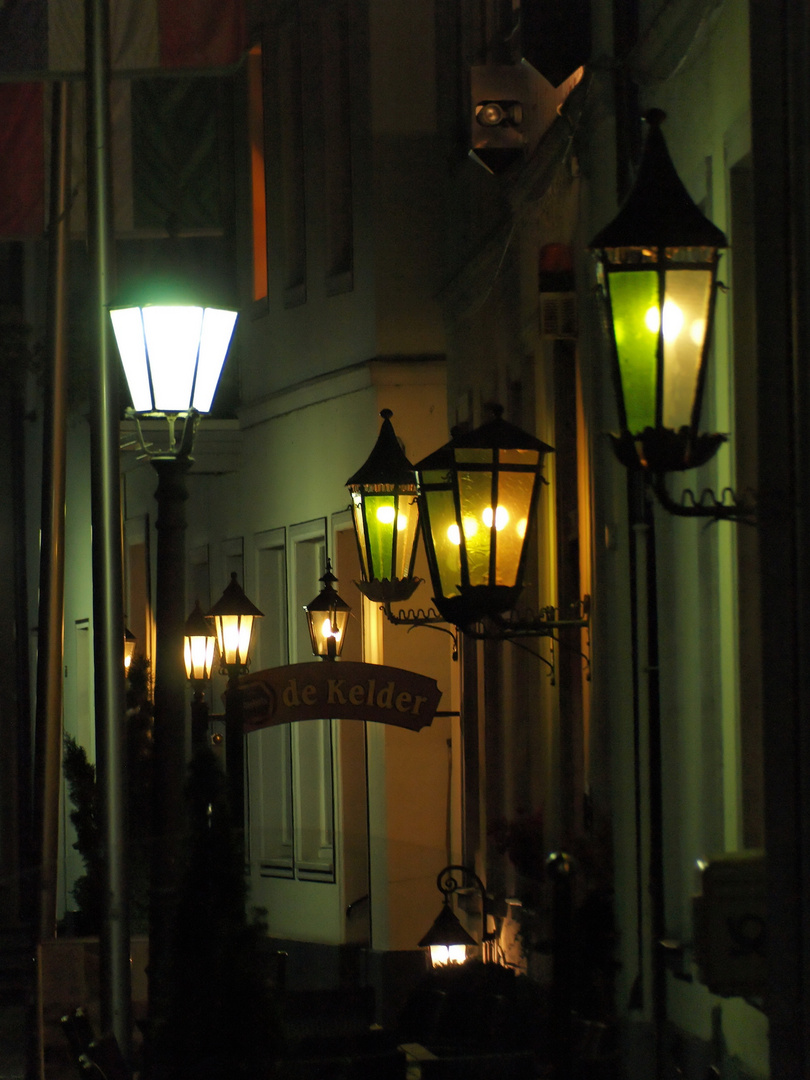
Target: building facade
x: 393, y: 251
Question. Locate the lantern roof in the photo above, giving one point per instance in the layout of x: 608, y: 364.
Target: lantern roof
x: 493, y: 434
x: 234, y: 602
x: 328, y: 599
x: 387, y: 463
x: 197, y: 625
x: 659, y: 211
x: 446, y: 930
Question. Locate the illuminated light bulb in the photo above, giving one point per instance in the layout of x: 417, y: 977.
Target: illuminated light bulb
x: 673, y: 320
x: 521, y: 527
x: 327, y: 631
x: 441, y: 955
x: 454, y: 534
x: 385, y: 514
x: 501, y: 517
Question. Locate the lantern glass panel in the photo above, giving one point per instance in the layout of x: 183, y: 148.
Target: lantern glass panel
x: 477, y: 518
x: 634, y: 294
x: 444, y: 535
x: 128, y: 327
x: 217, y: 330
x: 515, y: 491
x: 233, y: 638
x: 199, y: 656
x: 172, y: 343
x: 360, y: 532
x: 686, y: 313
x: 391, y: 521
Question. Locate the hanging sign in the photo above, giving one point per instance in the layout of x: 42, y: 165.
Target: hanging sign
x: 326, y: 690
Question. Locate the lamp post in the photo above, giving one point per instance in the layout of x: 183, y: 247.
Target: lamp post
x: 172, y: 354
x: 199, y: 645
x: 234, y: 618
x: 327, y: 616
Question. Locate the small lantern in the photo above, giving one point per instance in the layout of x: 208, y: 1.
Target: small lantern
x: 199, y: 644
x: 172, y: 354
x: 327, y: 616
x: 386, y: 516
x: 657, y: 270
x: 447, y: 941
x: 476, y: 496
x: 234, y: 617
x: 130, y: 642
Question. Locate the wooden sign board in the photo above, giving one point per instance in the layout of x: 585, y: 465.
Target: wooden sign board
x: 325, y: 690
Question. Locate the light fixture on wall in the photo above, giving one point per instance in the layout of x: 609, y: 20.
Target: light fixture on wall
x: 327, y: 617
x: 657, y: 271
x: 386, y: 519
x: 447, y: 941
x: 475, y: 498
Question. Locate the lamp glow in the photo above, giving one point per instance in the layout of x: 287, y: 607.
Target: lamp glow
x: 234, y: 617
x: 172, y: 354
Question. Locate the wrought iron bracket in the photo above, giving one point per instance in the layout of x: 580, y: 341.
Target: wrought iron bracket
x: 512, y: 626
x: 728, y: 507
x: 182, y: 427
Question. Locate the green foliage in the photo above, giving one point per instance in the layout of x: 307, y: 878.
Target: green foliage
x: 80, y: 776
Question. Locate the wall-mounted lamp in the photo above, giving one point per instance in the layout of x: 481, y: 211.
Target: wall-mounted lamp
x: 386, y: 519
x: 327, y: 616
x: 475, y: 497
x: 447, y: 941
x: 657, y: 272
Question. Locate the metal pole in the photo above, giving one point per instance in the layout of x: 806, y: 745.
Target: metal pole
x: 169, y: 731
x: 50, y: 628
x: 108, y: 613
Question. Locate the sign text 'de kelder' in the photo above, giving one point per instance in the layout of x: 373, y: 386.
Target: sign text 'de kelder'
x: 322, y: 690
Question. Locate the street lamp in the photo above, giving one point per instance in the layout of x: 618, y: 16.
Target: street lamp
x: 234, y: 617
x: 172, y: 354
x: 657, y: 273
x: 199, y: 645
x: 476, y: 497
x: 386, y: 518
x: 447, y: 941
x: 327, y: 616
x: 130, y: 641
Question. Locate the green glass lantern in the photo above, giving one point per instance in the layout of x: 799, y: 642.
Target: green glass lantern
x: 386, y: 516
x: 477, y: 494
x: 657, y: 272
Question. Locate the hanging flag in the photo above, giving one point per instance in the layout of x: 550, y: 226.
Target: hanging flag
x: 169, y: 106
x: 41, y: 39
x: 171, y: 154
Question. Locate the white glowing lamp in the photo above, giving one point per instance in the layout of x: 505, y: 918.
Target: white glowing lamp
x: 172, y: 354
